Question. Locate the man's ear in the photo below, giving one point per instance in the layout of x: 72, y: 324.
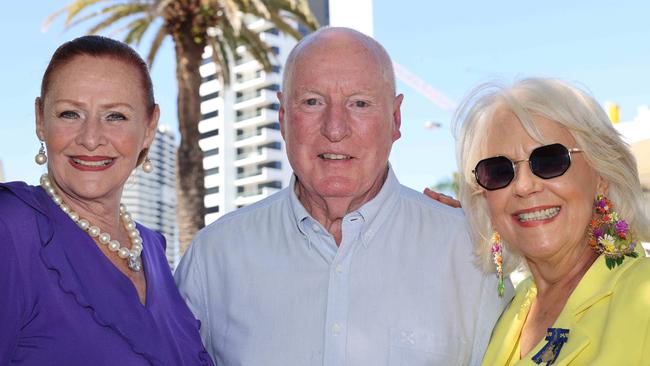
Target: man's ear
x: 397, y: 116
x: 281, y: 112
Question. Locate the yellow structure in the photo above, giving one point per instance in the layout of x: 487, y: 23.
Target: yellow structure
x: 613, y: 111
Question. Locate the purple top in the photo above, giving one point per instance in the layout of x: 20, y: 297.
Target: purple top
x: 62, y: 302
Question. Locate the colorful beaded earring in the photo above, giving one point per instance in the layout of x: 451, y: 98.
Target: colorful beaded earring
x: 609, y: 234
x: 497, y: 258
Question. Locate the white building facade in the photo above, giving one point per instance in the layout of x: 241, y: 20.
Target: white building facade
x: 244, y: 155
x: 151, y: 197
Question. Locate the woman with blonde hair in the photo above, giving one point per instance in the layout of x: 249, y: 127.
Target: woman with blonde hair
x: 546, y: 181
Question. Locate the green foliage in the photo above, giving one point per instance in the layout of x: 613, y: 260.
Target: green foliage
x: 450, y: 186
x: 217, y: 23
x: 192, y: 25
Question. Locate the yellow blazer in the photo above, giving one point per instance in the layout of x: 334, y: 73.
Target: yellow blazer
x: 608, y: 317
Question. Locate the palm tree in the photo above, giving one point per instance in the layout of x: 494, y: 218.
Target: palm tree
x: 192, y: 25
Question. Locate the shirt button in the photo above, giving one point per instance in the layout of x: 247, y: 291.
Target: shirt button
x: 339, y: 268
x: 315, y: 227
x: 337, y: 328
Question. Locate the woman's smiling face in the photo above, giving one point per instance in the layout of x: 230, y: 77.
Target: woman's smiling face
x: 541, y: 218
x: 94, y: 121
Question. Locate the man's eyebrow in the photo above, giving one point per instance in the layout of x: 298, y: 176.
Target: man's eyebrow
x: 306, y: 90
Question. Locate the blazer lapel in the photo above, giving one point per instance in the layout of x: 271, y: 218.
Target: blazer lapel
x: 504, y: 336
x: 596, y: 285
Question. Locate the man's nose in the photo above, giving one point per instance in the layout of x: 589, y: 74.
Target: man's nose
x: 336, y: 126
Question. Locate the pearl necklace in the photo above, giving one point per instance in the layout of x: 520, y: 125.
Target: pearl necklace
x: 132, y: 256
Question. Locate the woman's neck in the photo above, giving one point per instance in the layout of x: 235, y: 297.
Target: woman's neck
x: 562, y: 273
x: 103, y: 212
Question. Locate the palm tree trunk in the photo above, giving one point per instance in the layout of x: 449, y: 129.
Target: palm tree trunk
x: 190, y: 188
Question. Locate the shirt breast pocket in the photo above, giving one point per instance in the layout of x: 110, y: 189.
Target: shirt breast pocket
x: 418, y: 348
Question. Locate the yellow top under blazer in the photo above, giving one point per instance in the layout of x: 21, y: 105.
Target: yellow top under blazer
x: 608, y: 317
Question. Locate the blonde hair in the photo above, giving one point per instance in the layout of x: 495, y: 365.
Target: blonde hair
x: 571, y: 107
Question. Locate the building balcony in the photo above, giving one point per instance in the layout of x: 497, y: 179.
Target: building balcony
x: 242, y: 59
x: 258, y: 176
x: 249, y: 80
x: 249, y: 197
x: 257, y: 79
x: 256, y: 118
x: 212, y: 200
x: 254, y: 99
x: 258, y: 137
x: 249, y: 173
x: 246, y: 64
x: 258, y: 156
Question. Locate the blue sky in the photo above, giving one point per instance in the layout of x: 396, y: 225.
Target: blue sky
x: 452, y: 45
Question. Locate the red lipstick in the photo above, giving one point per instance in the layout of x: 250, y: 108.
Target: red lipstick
x: 91, y: 163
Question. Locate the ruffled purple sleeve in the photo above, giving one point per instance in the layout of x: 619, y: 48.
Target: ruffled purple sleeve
x: 11, y: 295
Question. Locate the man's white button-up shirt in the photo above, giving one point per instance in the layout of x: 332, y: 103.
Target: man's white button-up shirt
x: 270, y: 286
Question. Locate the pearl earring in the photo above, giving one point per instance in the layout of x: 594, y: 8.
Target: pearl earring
x: 41, y: 158
x: 147, y: 166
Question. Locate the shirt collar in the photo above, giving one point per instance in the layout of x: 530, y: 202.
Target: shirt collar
x: 299, y: 212
x: 373, y: 212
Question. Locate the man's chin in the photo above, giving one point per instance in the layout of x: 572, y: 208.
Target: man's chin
x: 336, y: 187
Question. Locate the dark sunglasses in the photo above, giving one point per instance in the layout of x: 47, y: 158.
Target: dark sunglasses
x: 546, y: 162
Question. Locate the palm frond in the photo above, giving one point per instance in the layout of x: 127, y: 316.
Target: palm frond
x: 72, y: 9
x: 221, y: 58
x: 137, y: 28
x: 230, y: 37
x: 261, y: 9
x: 285, y: 27
x: 106, y: 10
x: 118, y: 14
x: 299, y: 9
x: 77, y: 7
x: 159, y: 5
x: 156, y: 43
x: 233, y: 15
x: 48, y: 22
x: 256, y: 46
x: 227, y: 42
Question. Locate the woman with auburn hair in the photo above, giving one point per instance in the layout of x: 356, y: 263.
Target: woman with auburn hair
x: 547, y: 181
x: 82, y: 283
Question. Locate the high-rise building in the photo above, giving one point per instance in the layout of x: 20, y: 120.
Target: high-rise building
x: 151, y: 197
x: 244, y: 154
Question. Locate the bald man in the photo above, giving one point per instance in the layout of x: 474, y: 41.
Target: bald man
x: 345, y: 266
